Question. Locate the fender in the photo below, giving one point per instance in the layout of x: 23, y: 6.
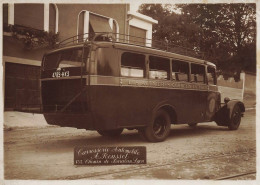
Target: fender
x: 232, y: 103
x: 223, y: 115
x: 168, y: 107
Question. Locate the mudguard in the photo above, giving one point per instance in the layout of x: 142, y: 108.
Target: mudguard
x: 223, y: 115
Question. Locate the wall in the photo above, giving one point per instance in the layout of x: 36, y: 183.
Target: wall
x: 250, y: 83
x: 230, y: 82
x: 68, y: 15
x: 143, y: 22
x: 231, y: 93
x: 67, y: 23
x: 230, y: 88
x: 14, y: 48
x: 29, y: 15
x: 237, y: 90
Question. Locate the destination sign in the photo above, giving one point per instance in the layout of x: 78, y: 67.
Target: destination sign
x: 165, y: 84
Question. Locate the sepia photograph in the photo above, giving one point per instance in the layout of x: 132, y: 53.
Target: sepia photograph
x: 129, y: 91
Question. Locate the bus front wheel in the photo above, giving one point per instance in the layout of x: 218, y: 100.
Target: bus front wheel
x: 159, y: 129
x: 235, y: 118
x: 110, y: 133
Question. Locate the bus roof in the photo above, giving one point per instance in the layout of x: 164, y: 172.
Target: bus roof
x: 137, y: 48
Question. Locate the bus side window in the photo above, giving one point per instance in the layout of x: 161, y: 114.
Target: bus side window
x: 133, y: 65
x: 180, y: 71
x: 159, y: 68
x: 198, y: 73
x: 211, y: 74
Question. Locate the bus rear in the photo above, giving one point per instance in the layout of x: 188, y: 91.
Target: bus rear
x: 63, y: 87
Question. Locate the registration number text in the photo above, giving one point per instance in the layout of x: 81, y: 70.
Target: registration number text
x: 59, y: 74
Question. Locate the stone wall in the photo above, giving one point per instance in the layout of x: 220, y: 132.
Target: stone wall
x: 237, y: 90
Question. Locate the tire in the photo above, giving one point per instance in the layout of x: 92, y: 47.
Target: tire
x: 110, y: 133
x: 159, y: 129
x: 192, y: 124
x: 235, y: 118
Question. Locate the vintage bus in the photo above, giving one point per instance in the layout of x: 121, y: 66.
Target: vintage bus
x: 107, y: 85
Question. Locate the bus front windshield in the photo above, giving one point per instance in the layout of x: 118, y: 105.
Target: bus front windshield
x: 65, y: 58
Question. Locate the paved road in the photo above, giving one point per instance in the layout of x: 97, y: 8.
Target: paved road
x: 204, y: 152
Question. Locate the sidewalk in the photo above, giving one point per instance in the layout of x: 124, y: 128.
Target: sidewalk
x: 14, y: 119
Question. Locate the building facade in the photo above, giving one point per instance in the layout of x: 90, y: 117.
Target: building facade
x: 22, y: 66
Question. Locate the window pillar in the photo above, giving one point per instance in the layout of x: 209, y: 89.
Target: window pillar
x: 57, y: 19
x: 11, y: 13
x: 46, y: 17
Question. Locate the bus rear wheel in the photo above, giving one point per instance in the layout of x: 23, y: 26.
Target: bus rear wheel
x: 110, y: 133
x: 159, y: 129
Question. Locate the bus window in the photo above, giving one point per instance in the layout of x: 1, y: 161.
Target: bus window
x: 132, y: 65
x: 180, y: 71
x: 197, y: 73
x: 51, y: 61
x: 66, y: 58
x: 211, y: 74
x: 71, y: 58
x: 159, y: 68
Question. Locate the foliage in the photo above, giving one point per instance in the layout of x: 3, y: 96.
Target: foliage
x: 32, y: 38
x: 226, y: 33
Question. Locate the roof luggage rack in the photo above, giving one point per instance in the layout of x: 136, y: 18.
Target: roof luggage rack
x: 132, y: 40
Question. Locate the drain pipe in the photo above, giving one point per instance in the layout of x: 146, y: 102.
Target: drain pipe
x: 127, y: 22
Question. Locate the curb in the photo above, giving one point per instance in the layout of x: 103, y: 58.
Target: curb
x: 250, y: 108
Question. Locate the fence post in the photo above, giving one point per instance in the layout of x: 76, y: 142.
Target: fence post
x: 243, y: 77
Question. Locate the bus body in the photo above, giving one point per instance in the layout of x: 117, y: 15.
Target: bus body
x: 110, y: 86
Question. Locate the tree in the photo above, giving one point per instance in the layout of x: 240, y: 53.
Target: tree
x: 226, y: 33
x: 171, y: 27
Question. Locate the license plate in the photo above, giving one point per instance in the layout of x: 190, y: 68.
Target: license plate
x: 58, y: 74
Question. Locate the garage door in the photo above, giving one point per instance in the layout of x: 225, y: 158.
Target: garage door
x: 22, y: 90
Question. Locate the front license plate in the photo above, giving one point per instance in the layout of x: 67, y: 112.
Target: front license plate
x: 59, y: 74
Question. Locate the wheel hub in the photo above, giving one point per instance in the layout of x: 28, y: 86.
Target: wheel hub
x: 159, y: 126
